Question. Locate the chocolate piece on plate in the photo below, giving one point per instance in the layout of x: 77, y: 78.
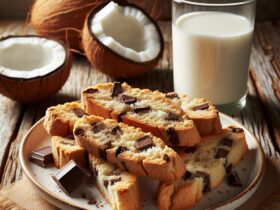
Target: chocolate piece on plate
x: 144, y: 142
x: 234, y: 180
x: 172, y: 117
x: 70, y: 177
x: 42, y: 157
x: 128, y: 99
x: 117, y: 89
x: 141, y: 109
x: 204, y: 106
x: 79, y: 112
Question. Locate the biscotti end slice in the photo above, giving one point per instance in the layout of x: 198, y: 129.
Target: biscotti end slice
x: 65, y: 149
x: 60, y: 119
x: 203, y: 113
x: 130, y: 148
x: 149, y: 110
x: 118, y: 187
x: 206, y: 166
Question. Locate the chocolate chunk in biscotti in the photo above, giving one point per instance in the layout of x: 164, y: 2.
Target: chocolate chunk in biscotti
x: 144, y: 143
x: 221, y: 153
x: 70, y: 177
x: 96, y: 127
x: 172, y: 95
x: 206, y: 181
x: 102, y: 150
x: 173, y: 138
x: 141, y: 109
x: 78, y: 112
x: 234, y: 180
x: 204, y: 106
x: 91, y: 90
x: 188, y: 175
x: 79, y: 132
x: 172, y: 117
x: 116, y: 130
x: 226, y: 142
x: 166, y: 158
x: 236, y: 130
x: 42, y: 157
x: 120, y: 150
x: 190, y: 149
x: 128, y: 99
x: 117, y: 89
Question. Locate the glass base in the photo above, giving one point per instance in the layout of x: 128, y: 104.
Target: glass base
x: 233, y: 108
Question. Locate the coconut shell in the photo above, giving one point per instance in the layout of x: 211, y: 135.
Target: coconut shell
x: 37, y: 88
x: 61, y: 19
x: 108, y: 61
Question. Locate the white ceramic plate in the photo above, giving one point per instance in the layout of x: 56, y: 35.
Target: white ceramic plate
x: 250, y: 170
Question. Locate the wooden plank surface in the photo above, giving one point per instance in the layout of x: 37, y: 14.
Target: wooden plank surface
x: 257, y: 116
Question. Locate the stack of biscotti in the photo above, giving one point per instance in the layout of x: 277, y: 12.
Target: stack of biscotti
x: 149, y: 110
x: 206, y: 165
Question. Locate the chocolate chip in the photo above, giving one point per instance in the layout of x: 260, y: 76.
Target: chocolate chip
x: 166, y: 158
x: 113, y: 181
x: 90, y: 90
x: 128, y: 99
x: 144, y: 143
x: 172, y: 117
x: 117, y: 89
x: 120, y: 150
x: 116, y: 130
x: 102, y: 150
x: 190, y: 149
x: 234, y: 180
x: 119, y: 117
x: 206, y: 181
x: 92, y: 202
x: 172, y: 95
x: 204, y: 106
x: 236, y: 130
x: 105, y: 183
x: 188, y: 175
x: 228, y: 168
x: 42, y: 157
x: 79, y: 131
x: 173, y: 138
x: 79, y: 112
x: 96, y: 127
x: 226, y: 142
x: 142, y: 109
x: 221, y: 153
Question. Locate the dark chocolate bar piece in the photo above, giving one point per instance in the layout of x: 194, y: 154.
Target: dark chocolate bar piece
x: 117, y: 89
x: 201, y: 107
x: 70, y: 177
x: 128, y: 99
x: 172, y: 117
x: 234, y: 180
x: 144, y: 143
x: 42, y: 157
x: 172, y: 95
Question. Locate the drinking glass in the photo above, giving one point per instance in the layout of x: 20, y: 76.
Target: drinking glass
x: 211, y: 50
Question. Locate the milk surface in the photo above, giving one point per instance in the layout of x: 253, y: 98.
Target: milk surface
x: 211, y: 52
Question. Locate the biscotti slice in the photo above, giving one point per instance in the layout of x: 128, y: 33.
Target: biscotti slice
x: 60, y: 119
x: 201, y: 111
x: 118, y: 187
x: 206, y: 166
x: 149, y: 110
x: 130, y: 148
x: 66, y: 149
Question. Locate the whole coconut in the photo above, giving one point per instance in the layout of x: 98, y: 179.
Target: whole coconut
x: 62, y: 19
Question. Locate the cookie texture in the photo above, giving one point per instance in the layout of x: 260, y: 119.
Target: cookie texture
x: 149, y: 110
x: 206, y: 165
x: 130, y: 148
x: 60, y: 119
x: 120, y: 188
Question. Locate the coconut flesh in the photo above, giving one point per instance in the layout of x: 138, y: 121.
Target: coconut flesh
x: 30, y: 57
x: 127, y: 31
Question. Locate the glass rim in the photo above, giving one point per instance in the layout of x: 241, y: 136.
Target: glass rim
x: 193, y: 2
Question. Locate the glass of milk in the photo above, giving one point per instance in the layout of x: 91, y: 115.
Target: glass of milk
x: 211, y: 50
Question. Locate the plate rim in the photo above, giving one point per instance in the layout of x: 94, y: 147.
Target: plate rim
x: 257, y: 179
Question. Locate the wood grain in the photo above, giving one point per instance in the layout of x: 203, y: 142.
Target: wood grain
x: 259, y: 116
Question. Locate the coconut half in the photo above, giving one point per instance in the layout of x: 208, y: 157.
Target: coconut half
x: 122, y: 40
x: 32, y: 68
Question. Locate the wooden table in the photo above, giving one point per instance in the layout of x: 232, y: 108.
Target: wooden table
x: 261, y: 114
